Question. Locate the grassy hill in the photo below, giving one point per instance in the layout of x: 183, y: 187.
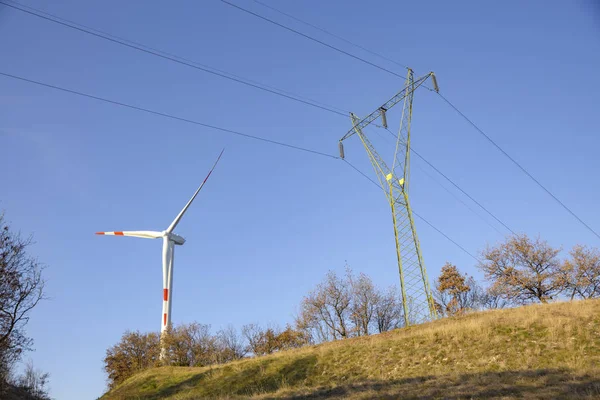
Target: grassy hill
x: 540, y: 351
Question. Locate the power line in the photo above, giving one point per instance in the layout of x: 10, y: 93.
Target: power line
x: 174, y: 58
x: 456, y: 186
x: 420, y: 217
x: 519, y: 165
x: 312, y: 38
x: 169, y: 56
x: 149, y: 111
x: 446, y: 100
x: 260, y: 86
x: 270, y: 89
x: 141, y: 47
x: 330, y: 34
x: 161, y: 114
x: 204, y: 68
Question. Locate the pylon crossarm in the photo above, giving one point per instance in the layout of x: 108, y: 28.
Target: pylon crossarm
x: 366, y: 121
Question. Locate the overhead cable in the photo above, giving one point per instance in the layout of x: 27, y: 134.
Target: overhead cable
x: 313, y: 39
x: 162, y: 114
x: 330, y: 34
x: 165, y: 115
x: 525, y: 171
x: 172, y: 57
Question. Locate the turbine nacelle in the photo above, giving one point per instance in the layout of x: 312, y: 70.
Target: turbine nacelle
x: 175, y: 238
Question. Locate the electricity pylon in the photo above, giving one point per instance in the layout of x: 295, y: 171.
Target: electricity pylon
x: 417, y: 301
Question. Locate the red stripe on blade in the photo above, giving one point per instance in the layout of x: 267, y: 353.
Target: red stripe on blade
x: 165, y: 319
x: 119, y: 233
x: 165, y: 294
x: 100, y: 233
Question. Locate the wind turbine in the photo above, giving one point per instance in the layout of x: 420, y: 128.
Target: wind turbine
x: 170, y: 239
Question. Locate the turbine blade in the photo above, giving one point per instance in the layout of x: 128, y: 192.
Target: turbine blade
x: 140, y: 234
x: 178, y: 218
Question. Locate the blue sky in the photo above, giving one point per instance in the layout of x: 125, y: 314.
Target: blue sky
x: 271, y: 221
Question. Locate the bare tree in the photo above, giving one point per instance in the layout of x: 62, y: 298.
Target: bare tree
x: 363, y: 304
x: 201, y: 343
x: 523, y: 270
x: 326, y: 310
x: 230, y: 344
x: 336, y: 296
x: 261, y: 341
x: 21, y: 289
x: 254, y: 335
x: 582, y: 272
x: 492, y: 300
x: 34, y: 382
x: 388, y: 310
x: 349, y: 306
x: 309, y: 322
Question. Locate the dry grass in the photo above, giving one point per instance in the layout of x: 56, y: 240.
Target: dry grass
x: 550, y: 351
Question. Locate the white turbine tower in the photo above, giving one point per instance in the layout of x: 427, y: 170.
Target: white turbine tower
x: 169, y: 241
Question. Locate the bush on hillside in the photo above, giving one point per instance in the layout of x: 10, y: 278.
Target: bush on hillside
x: 135, y: 352
x: 186, y: 345
x: 270, y: 340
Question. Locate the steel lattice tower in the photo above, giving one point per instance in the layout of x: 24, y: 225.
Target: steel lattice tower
x: 417, y: 300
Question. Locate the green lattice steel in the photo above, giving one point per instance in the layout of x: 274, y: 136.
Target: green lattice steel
x: 414, y: 284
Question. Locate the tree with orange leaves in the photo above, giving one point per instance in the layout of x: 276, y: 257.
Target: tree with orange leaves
x: 524, y: 270
x: 454, y: 292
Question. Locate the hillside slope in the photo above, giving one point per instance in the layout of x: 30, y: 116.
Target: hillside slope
x: 541, y: 351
